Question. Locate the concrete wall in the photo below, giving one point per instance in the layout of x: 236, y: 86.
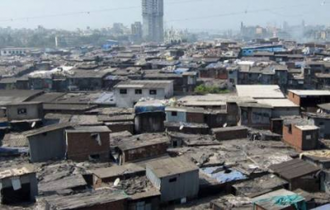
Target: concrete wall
x: 233, y: 116
x: 33, y: 111
x: 81, y: 145
x: 180, y: 117
x: 216, y: 120
x: 149, y: 122
x: 280, y: 112
x: 128, y: 100
x: 45, y: 147
x: 30, y: 179
x: 324, y: 125
x: 255, y: 117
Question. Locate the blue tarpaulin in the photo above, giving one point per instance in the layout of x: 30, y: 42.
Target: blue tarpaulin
x: 224, y: 176
x: 324, y: 207
x: 151, y: 108
x: 13, y: 151
x: 181, y: 70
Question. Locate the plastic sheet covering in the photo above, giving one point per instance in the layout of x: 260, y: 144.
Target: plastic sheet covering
x: 181, y: 70
x: 296, y: 200
x: 222, y: 175
x: 16, y: 183
x: 13, y: 151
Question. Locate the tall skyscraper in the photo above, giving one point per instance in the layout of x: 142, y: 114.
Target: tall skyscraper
x: 153, y: 20
x: 137, y: 32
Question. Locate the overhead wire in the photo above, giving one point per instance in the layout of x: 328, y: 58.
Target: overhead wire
x: 88, y: 12
x: 246, y: 11
x: 234, y: 13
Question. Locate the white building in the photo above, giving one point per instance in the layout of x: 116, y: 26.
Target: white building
x: 13, y: 51
x: 153, y: 20
x: 128, y: 93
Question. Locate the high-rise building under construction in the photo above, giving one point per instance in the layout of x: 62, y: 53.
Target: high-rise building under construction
x: 153, y: 20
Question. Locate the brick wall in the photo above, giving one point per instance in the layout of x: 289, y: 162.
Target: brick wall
x: 294, y: 98
x: 82, y: 145
x: 298, y: 138
x: 294, y: 138
x: 145, y: 152
x: 231, y: 134
x: 195, y: 117
x: 118, y: 127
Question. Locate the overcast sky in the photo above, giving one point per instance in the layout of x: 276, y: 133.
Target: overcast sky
x: 190, y: 14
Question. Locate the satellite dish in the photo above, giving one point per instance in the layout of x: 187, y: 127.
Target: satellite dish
x: 225, y: 125
x: 116, y: 183
x: 181, y: 127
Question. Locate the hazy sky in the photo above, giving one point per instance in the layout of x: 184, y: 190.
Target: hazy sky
x: 191, y: 14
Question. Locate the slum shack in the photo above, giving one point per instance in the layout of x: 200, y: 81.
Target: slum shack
x: 149, y: 116
x: 279, y: 200
x: 25, y: 115
x: 231, y: 202
x: 219, y: 179
x: 107, y: 175
x: 191, y: 140
x: 177, y: 179
x: 303, y: 176
x: 18, y: 185
x: 300, y: 133
x: 67, y: 108
x: 230, y: 133
x: 309, y: 99
x: 103, y: 199
x: 189, y: 128
x: 120, y: 126
x: 88, y: 143
x: 69, y: 184
x: 322, y: 121
x: 260, y: 186
x: 48, y: 143
x: 184, y: 114
x: 140, y: 147
x: 321, y: 158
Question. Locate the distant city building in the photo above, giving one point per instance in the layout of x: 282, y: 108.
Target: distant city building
x: 13, y: 51
x: 137, y: 32
x: 153, y: 20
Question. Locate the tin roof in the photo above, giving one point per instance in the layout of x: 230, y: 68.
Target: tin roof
x: 260, y: 91
x: 157, y: 84
x: 28, y: 169
x: 294, y: 169
x: 311, y: 92
x: 171, y: 166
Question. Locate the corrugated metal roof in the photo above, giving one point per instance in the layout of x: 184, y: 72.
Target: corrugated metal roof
x: 260, y: 91
x: 311, y: 92
x: 171, y: 166
x: 294, y: 169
